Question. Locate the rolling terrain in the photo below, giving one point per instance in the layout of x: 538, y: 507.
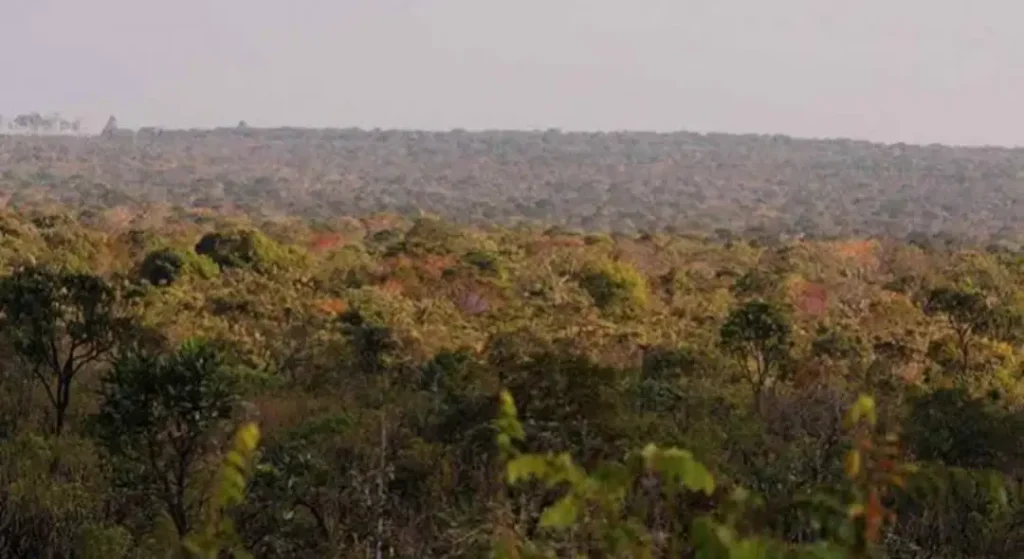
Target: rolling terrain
x: 630, y: 181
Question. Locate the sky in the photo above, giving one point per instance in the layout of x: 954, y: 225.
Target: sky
x: 915, y: 71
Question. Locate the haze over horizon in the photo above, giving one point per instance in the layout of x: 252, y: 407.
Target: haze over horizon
x: 914, y: 71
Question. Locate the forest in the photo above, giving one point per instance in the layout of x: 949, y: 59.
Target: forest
x: 753, y: 186
x: 194, y: 367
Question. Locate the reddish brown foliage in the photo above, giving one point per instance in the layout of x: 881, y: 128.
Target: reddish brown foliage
x: 811, y: 298
x: 544, y: 244
x: 381, y: 222
x: 863, y: 253
x: 393, y: 286
x: 472, y: 297
x: 324, y: 242
x: 282, y: 412
x: 433, y: 266
x: 332, y: 306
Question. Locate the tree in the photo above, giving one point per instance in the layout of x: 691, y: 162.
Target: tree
x: 626, y: 507
x: 375, y: 350
x: 158, y: 418
x: 431, y: 236
x: 59, y: 323
x: 757, y: 336
x: 952, y: 427
x: 165, y: 266
x: 615, y: 287
x: 244, y: 248
x: 110, y: 128
x: 161, y: 267
x: 30, y: 121
x: 373, y: 344
x: 48, y: 511
x: 968, y: 313
x: 970, y: 452
x: 757, y: 283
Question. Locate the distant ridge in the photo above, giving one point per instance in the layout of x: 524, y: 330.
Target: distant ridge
x: 756, y: 184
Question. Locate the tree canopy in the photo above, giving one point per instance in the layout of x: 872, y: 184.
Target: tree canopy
x: 211, y: 344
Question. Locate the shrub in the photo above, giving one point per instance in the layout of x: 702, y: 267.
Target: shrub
x: 431, y: 236
x: 487, y: 262
x: 615, y: 287
x: 243, y: 248
x: 165, y: 266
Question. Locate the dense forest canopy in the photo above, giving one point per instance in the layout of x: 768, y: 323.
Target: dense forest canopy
x: 615, y: 181
x: 212, y: 344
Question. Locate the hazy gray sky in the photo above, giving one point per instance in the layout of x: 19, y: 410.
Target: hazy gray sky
x: 893, y: 70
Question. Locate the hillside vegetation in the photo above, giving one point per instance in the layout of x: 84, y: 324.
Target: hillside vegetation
x: 178, y: 380
x: 764, y: 186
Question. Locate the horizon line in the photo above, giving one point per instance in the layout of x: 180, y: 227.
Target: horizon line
x: 492, y: 130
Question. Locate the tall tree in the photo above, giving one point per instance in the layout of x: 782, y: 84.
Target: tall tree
x: 111, y: 127
x: 968, y: 314
x: 159, y: 416
x: 757, y: 336
x: 58, y: 323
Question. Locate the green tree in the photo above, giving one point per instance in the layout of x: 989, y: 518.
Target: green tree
x: 968, y: 314
x: 616, y: 287
x: 621, y: 508
x: 48, y: 511
x: 159, y: 417
x: 59, y: 323
x: 244, y: 248
x: 757, y: 335
x: 757, y: 283
x: 951, y: 427
x: 165, y: 266
x: 431, y: 236
x: 161, y: 267
x: 373, y: 344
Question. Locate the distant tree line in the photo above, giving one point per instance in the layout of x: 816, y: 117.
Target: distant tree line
x: 768, y: 188
x: 36, y: 123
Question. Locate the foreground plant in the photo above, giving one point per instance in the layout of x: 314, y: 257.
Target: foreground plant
x: 217, y: 533
x: 595, y: 513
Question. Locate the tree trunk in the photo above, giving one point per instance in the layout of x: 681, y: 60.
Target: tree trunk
x: 379, y: 544
x: 62, y: 401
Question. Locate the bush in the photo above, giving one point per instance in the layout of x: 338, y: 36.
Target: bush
x: 243, y: 248
x: 615, y: 287
x: 165, y: 266
x: 431, y: 236
x: 487, y: 262
x: 951, y: 426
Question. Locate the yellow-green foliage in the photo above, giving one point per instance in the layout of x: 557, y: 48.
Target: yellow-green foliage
x: 246, y: 248
x: 167, y: 265
x: 615, y: 287
x: 347, y: 267
x: 217, y: 534
x: 66, y: 243
x: 432, y: 236
x: 66, y: 508
x: 592, y: 516
x: 607, y: 342
x: 487, y: 263
x: 599, y: 239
